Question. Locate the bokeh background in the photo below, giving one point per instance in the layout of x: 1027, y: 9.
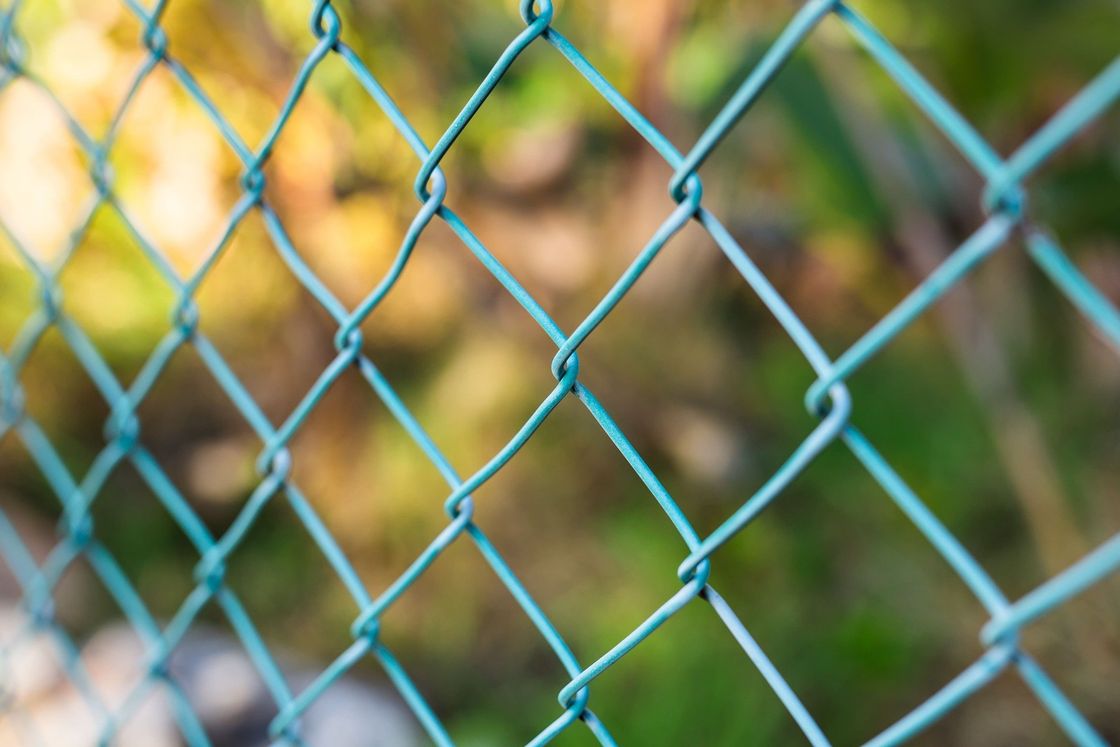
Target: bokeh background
x: 999, y: 407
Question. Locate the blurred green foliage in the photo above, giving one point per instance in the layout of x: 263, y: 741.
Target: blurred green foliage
x: 833, y: 183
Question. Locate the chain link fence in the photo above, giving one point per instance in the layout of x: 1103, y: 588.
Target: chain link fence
x: 1009, y: 218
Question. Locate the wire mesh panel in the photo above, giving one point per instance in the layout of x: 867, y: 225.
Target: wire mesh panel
x: 1008, y: 219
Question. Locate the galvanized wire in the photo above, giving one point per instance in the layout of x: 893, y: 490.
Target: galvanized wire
x: 828, y: 398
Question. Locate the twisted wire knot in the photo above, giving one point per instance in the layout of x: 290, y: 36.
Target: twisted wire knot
x: 50, y: 296
x: 349, y: 340
x: 565, y: 364
x: 694, y: 569
x: 101, y: 171
x: 253, y: 182
x: 12, y: 50
x: 1000, y: 630
x: 185, y: 317
x: 1006, y: 198
x: 285, y: 726
x: 461, y: 509
x: 326, y: 23
x: 686, y: 186
x: 154, y: 38
x: 12, y: 403
x: 77, y: 525
x: 430, y: 173
x: 689, y: 187
x: 159, y: 668
x: 366, y: 626
x: 827, y: 396
x: 211, y: 569
x: 123, y: 426
x: 575, y: 703
x: 41, y: 611
x: 275, y: 462
x: 531, y: 16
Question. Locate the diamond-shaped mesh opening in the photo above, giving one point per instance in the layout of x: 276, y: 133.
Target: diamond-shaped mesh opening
x: 459, y: 603
x: 641, y: 693
x: 346, y: 201
x: 362, y: 472
x: 113, y: 291
x: 1033, y: 521
x: 209, y: 456
x: 469, y: 379
x: 564, y: 193
x: 54, y: 382
x: 869, y: 617
x: 603, y: 515
x: 422, y: 316
x: 150, y: 548
x: 710, y: 399
x: 177, y: 173
x: 240, y: 64
x: 271, y: 334
x: 276, y: 598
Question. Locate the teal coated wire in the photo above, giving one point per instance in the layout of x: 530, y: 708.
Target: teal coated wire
x: 828, y: 399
